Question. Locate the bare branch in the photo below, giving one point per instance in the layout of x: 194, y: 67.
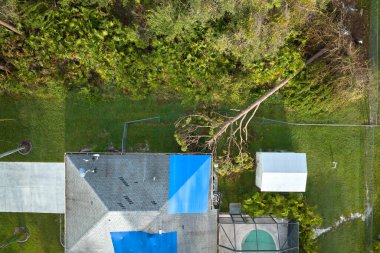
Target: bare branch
x: 10, y: 27
x: 247, y: 123
x: 5, y: 69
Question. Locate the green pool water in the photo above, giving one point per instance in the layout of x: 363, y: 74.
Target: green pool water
x: 258, y: 240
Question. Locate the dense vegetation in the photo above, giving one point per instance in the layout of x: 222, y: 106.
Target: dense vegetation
x: 290, y: 206
x: 204, y: 53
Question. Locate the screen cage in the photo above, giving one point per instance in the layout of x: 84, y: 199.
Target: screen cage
x: 242, y: 233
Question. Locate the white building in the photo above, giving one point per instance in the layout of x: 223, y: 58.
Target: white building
x: 281, y: 172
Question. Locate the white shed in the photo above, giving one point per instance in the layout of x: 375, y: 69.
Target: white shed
x: 281, y: 172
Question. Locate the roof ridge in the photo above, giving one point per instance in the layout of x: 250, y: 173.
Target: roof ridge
x: 88, y: 231
x: 90, y: 190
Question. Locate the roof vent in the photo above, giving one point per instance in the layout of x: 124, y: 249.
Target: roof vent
x: 154, y: 202
x: 121, y: 205
x: 128, y: 199
x: 123, y: 181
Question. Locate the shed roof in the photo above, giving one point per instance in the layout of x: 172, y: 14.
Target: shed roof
x: 281, y: 172
x: 282, y: 162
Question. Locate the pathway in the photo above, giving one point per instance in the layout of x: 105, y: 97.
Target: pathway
x: 32, y: 187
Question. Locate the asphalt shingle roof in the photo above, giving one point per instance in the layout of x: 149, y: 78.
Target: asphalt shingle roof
x: 128, y: 192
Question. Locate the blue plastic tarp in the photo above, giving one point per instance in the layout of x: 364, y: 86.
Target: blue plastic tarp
x: 143, y: 242
x: 189, y: 183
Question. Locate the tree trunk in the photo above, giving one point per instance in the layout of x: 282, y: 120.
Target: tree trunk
x: 243, y: 113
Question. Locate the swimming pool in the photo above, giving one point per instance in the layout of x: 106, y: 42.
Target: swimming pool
x: 258, y: 240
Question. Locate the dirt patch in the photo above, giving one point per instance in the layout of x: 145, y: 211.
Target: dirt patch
x: 357, y: 22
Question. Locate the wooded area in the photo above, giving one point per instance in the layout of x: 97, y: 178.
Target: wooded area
x: 203, y: 53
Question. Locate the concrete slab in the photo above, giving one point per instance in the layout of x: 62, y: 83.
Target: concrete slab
x: 32, y: 187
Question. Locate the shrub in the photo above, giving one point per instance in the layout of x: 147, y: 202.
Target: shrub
x: 290, y: 206
x: 247, y: 29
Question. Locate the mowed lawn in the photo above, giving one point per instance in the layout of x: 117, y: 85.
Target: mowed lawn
x: 375, y: 51
x: 41, y: 122
x: 55, y: 127
x: 335, y: 192
x: 98, y: 125
x: 332, y: 192
x: 376, y: 210
x: 43, y: 228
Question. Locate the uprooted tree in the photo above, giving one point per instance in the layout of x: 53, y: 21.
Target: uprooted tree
x: 224, y: 134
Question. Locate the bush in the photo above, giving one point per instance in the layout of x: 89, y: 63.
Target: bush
x: 247, y: 29
x: 290, y: 206
x: 238, y: 164
x: 78, y: 48
x: 310, y: 92
x: 86, y: 50
x: 204, y: 53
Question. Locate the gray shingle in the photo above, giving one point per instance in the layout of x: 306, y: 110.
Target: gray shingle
x: 129, y: 192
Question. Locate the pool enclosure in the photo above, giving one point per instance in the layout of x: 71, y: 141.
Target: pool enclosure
x: 238, y: 232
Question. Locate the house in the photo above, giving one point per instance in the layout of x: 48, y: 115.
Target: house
x: 139, y: 203
x: 281, y: 172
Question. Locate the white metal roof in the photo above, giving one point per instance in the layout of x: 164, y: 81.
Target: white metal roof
x: 32, y: 187
x: 281, y: 172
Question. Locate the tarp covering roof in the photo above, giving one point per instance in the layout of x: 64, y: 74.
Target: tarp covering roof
x: 189, y: 183
x: 281, y: 172
x: 130, y: 192
x: 143, y: 242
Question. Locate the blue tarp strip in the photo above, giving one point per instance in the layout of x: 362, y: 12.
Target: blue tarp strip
x: 189, y: 183
x: 143, y: 242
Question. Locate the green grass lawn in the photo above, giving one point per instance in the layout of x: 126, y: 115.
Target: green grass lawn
x: 376, y: 209
x: 40, y: 121
x: 43, y: 228
x: 55, y: 127
x: 98, y: 125
x: 332, y: 192
x: 375, y: 51
x: 347, y: 238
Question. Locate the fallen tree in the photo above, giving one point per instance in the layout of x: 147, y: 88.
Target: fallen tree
x: 217, y: 132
